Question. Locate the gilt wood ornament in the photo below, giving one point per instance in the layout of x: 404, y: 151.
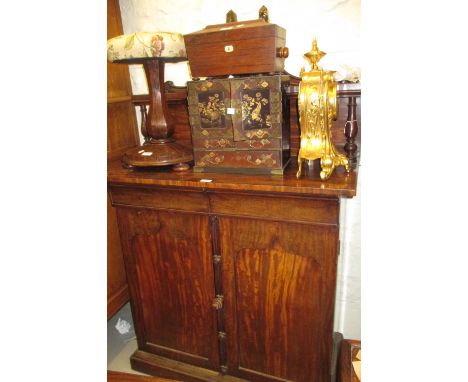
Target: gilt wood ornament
x: 317, y: 110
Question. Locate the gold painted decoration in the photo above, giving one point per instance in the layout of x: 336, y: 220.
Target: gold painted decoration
x: 255, y: 109
x: 212, y: 109
x: 211, y: 158
x: 317, y: 110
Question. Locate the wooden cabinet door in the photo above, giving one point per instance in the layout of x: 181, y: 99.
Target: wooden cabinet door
x: 259, y: 99
x: 117, y: 289
x: 208, y: 102
x: 279, y: 285
x: 170, y: 274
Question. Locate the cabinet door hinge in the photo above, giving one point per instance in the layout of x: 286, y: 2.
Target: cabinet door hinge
x: 218, y: 302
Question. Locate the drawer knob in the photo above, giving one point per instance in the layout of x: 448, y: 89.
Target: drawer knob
x: 282, y: 52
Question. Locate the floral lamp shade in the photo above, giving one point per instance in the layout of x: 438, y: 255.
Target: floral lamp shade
x: 140, y: 45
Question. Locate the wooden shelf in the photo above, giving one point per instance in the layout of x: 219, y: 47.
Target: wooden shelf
x: 119, y: 99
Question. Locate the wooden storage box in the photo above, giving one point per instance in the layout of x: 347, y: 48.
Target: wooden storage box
x: 240, y: 125
x: 246, y: 47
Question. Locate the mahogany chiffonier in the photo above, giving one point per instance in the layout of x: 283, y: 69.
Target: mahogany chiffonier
x: 231, y: 277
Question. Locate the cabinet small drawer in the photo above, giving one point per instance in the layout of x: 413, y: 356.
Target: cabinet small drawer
x: 160, y: 199
x: 242, y: 159
x: 322, y: 211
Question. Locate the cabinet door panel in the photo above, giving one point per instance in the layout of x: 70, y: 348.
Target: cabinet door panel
x: 171, y: 276
x: 279, y: 282
x: 207, y: 105
x: 259, y: 100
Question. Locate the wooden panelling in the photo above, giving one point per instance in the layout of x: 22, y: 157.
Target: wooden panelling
x: 165, y: 199
x: 169, y: 266
x: 122, y: 134
x: 279, y: 283
x: 274, y: 207
x: 118, y: 84
x: 117, y: 290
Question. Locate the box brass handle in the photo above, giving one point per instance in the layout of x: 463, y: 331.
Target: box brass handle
x: 218, y: 302
x: 282, y: 52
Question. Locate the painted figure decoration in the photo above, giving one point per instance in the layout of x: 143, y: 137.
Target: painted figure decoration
x: 255, y: 109
x: 212, y: 110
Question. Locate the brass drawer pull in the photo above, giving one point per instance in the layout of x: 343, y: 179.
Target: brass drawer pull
x: 218, y: 302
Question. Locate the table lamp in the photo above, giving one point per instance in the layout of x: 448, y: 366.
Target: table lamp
x: 153, y: 50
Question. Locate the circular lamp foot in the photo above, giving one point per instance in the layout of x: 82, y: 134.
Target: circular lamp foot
x: 159, y: 154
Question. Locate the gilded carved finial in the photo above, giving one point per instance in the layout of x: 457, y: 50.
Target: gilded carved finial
x: 315, y: 55
x: 231, y: 17
x: 263, y: 14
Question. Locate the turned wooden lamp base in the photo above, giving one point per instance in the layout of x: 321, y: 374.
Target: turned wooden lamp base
x: 162, y: 152
x: 161, y: 149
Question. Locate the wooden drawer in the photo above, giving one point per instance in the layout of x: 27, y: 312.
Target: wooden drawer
x: 222, y: 143
x: 159, y: 198
x: 320, y: 211
x: 241, y: 161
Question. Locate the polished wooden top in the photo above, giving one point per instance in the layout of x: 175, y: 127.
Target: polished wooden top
x: 340, y: 184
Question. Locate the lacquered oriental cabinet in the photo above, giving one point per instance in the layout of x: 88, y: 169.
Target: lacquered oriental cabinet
x: 233, y: 279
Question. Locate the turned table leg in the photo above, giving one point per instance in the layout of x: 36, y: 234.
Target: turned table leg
x: 351, y: 130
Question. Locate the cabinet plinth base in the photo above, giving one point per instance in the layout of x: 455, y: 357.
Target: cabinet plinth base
x: 163, y: 367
